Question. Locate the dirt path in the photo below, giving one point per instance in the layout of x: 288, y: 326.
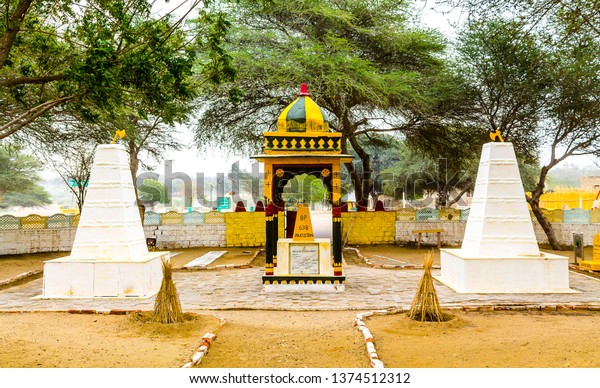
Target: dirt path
x: 279, y: 339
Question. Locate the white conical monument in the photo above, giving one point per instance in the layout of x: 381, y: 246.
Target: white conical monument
x: 109, y: 256
x: 499, y: 253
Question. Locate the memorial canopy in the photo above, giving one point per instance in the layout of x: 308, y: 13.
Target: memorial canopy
x: 302, y: 144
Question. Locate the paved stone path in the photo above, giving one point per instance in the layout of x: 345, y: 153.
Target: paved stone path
x: 366, y: 289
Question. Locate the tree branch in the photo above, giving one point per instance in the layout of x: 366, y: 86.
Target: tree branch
x: 26, y: 118
x: 13, y: 26
x: 30, y: 80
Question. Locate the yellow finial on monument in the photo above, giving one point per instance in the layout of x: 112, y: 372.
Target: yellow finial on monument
x: 496, y: 135
x: 120, y: 133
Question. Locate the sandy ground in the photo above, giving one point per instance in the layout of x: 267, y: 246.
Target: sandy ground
x: 484, y: 340
x: 52, y: 340
x: 295, y: 339
x: 279, y: 339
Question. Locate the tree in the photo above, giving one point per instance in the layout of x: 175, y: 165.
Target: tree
x: 152, y: 191
x: 70, y: 62
x: 36, y: 195
x: 305, y: 189
x: 540, y: 89
x: 575, y: 15
x: 416, y: 173
x: 363, y: 61
x: 18, y: 172
x: 73, y: 163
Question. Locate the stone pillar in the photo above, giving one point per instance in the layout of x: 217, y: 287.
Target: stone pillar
x: 337, y: 240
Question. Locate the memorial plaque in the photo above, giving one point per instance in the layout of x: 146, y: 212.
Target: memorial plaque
x: 304, y: 259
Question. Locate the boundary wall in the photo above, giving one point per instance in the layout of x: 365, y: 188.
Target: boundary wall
x: 171, y: 230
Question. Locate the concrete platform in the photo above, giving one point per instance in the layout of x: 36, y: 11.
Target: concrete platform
x: 70, y: 277
x: 544, y: 273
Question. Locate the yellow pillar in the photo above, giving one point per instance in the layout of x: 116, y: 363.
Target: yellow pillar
x: 594, y: 264
x: 268, y: 183
x: 336, y: 183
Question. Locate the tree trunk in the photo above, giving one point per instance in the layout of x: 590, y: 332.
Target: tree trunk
x: 544, y: 223
x: 80, y: 195
x: 364, y: 187
x: 534, y: 202
x: 457, y: 197
x: 354, y: 177
x: 134, y: 162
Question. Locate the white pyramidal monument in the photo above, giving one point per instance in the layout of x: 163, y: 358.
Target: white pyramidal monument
x: 109, y: 257
x: 500, y: 253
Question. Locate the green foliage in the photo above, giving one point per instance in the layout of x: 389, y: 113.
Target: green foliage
x: 152, y: 191
x: 578, y: 16
x: 102, y: 62
x: 363, y: 60
x: 36, y: 195
x: 417, y: 173
x: 510, y: 73
x: 305, y: 189
x: 540, y: 88
x: 18, y: 172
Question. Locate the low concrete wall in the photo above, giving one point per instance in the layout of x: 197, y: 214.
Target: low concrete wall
x: 453, y: 235
x: 360, y: 228
x: 187, y: 236
x: 249, y: 229
x: 455, y: 231
x: 564, y: 233
x: 20, y: 241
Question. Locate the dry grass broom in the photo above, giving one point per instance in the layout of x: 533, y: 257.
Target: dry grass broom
x: 425, y: 305
x: 167, y: 308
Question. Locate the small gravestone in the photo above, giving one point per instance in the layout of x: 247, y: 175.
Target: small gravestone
x: 204, y: 260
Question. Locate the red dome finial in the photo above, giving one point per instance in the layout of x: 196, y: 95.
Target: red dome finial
x: 304, y: 90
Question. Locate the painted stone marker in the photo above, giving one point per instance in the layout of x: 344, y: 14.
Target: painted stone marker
x: 593, y: 264
x: 303, y: 230
x: 109, y: 256
x: 499, y: 253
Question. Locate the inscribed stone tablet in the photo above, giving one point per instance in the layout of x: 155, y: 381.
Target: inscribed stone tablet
x: 304, y: 259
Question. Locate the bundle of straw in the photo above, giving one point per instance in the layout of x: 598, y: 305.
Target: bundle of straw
x: 425, y: 306
x: 167, y: 308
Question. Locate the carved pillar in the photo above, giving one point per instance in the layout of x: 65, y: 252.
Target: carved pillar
x: 337, y: 239
x: 269, y: 239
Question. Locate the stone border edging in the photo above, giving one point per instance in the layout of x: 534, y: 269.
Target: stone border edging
x: 368, y: 337
x: 204, y: 345
x: 23, y: 277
